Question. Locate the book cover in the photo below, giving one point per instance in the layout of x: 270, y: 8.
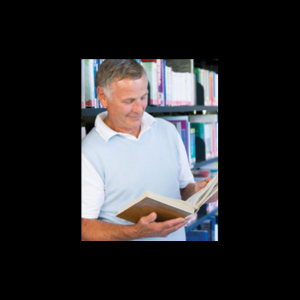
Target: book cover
x: 165, y: 208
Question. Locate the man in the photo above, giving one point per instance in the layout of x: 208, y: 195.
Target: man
x: 127, y: 153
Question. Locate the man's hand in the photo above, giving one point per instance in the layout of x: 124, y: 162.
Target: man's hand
x: 147, y: 227
x: 200, y: 184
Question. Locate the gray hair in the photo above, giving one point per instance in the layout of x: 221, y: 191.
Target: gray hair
x: 117, y: 69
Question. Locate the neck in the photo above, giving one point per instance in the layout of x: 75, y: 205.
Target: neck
x: 133, y: 131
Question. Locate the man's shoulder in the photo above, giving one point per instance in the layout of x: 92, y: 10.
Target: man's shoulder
x: 91, y: 138
x: 164, y: 123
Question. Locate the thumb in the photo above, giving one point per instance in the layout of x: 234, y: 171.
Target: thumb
x: 150, y: 218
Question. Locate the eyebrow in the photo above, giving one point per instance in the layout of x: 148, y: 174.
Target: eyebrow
x: 134, y: 98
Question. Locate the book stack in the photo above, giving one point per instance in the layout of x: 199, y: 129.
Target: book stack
x: 172, y: 81
x: 206, y: 132
x: 89, y: 68
x: 199, y: 134
x: 210, y: 82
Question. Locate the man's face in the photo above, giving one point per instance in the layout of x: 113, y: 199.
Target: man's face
x: 129, y: 98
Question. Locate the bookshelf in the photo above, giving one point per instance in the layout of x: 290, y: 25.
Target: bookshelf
x: 93, y: 112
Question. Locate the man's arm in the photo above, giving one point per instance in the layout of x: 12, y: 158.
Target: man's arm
x: 188, y: 191
x: 96, y: 230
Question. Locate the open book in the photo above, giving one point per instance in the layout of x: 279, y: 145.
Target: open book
x: 167, y: 208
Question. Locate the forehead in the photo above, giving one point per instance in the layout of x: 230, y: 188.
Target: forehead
x: 129, y: 86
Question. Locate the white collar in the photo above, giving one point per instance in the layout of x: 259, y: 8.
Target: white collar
x: 106, y: 132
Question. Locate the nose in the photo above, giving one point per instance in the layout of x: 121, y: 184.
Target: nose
x: 138, y: 107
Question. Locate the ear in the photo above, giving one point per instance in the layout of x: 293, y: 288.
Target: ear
x: 101, y: 96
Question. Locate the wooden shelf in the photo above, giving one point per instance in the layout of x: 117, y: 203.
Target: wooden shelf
x: 93, y: 112
x: 203, y: 163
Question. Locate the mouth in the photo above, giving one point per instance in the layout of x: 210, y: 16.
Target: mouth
x: 135, y: 118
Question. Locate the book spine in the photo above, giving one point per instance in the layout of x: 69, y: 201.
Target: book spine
x: 89, y: 83
x: 168, y: 86
x: 159, y: 78
x: 211, y: 88
x: 206, y: 87
x: 213, y: 140
x: 217, y: 88
x: 82, y: 84
x: 193, y: 145
x: 146, y: 60
x: 164, y: 82
x: 95, y: 65
x: 151, y: 70
x: 182, y: 89
x: 214, y: 88
x: 197, y: 73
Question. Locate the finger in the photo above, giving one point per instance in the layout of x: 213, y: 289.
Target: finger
x: 150, y: 218
x: 201, y: 183
x: 187, y: 219
x: 175, y: 227
x: 208, y: 179
x: 174, y: 222
x: 213, y: 198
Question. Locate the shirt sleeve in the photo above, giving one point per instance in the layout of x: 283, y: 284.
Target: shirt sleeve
x: 92, y: 190
x: 185, y: 174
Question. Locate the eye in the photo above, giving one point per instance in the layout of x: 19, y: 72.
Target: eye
x: 129, y: 101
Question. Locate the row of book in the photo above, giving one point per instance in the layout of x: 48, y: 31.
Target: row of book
x: 167, y: 87
x: 172, y: 82
x: 89, y: 68
x: 210, y: 82
x: 199, y: 134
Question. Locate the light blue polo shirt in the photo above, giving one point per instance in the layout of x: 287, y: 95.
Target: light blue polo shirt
x: 130, y: 166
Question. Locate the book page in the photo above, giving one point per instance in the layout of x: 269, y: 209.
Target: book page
x: 169, y: 201
x: 204, y: 199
